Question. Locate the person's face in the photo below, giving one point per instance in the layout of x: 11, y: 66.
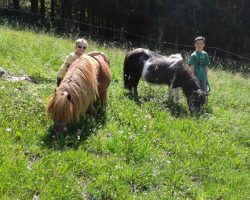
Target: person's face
x: 80, y: 48
x: 199, y: 45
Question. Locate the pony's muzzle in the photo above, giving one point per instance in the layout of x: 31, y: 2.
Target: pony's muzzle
x: 59, y: 127
x: 196, y: 109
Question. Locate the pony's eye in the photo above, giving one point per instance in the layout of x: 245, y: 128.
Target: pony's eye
x: 69, y: 97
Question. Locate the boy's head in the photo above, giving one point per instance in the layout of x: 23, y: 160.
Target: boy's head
x: 199, y: 43
x: 81, y: 46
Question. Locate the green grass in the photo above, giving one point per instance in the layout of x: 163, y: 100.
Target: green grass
x: 138, y: 149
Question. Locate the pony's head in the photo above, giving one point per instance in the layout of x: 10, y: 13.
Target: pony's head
x: 197, y: 101
x: 60, y: 109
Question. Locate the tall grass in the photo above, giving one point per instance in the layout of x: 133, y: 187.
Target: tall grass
x: 139, y: 149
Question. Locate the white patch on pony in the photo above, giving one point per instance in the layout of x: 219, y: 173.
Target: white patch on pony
x: 176, y: 56
x: 65, y: 93
x: 174, y: 59
x: 145, y: 69
x: 146, y: 51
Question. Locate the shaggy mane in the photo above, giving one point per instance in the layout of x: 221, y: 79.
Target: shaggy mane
x: 76, y: 92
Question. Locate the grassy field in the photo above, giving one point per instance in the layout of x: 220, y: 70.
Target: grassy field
x: 144, y: 149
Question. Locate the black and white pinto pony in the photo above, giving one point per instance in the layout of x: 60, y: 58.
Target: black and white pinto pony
x: 158, y: 69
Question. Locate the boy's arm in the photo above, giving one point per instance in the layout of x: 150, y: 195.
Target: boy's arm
x: 207, y: 64
x: 206, y: 73
x: 191, y: 63
x: 191, y: 68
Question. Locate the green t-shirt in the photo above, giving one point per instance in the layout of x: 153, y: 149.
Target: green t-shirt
x: 200, y: 60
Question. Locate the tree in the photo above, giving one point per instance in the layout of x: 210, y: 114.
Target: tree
x: 16, y: 4
x: 42, y: 7
x: 66, y: 9
x: 52, y: 9
x: 34, y: 6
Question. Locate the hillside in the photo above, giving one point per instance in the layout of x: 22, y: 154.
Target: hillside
x: 145, y: 149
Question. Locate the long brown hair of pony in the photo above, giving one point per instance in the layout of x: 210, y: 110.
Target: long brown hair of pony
x: 76, y: 92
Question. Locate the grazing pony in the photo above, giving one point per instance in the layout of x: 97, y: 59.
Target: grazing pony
x: 158, y: 69
x: 86, y: 80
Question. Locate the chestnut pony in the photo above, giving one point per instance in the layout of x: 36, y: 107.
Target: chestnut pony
x: 86, y: 80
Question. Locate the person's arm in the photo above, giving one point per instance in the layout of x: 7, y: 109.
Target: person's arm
x: 96, y: 53
x: 206, y: 72
x: 64, y: 68
x: 191, y: 63
x: 192, y: 68
x: 207, y: 63
x: 61, y: 72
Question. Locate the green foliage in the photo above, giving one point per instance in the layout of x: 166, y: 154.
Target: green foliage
x: 145, y: 148
x: 225, y: 24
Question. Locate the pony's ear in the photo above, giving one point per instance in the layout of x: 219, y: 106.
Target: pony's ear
x: 206, y: 93
x: 69, y: 97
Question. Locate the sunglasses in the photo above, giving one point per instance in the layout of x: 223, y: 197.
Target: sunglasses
x: 82, y: 47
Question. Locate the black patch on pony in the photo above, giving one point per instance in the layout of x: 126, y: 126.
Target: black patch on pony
x: 162, y: 70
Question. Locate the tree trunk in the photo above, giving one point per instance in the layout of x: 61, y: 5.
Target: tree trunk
x: 34, y: 6
x: 161, y: 30
x: 42, y: 7
x: 52, y: 9
x: 16, y: 4
x: 152, y: 23
x: 82, y: 10
x: 66, y: 9
x: 82, y: 4
x: 66, y: 13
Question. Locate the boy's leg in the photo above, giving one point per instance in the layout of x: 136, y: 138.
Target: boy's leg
x: 203, y: 85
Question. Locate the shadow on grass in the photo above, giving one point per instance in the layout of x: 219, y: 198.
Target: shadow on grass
x: 133, y: 97
x: 176, y: 110
x: 139, y: 100
x: 76, y: 133
x: 208, y: 110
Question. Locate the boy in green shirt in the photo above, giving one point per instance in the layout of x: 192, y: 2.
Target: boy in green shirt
x: 198, y: 62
